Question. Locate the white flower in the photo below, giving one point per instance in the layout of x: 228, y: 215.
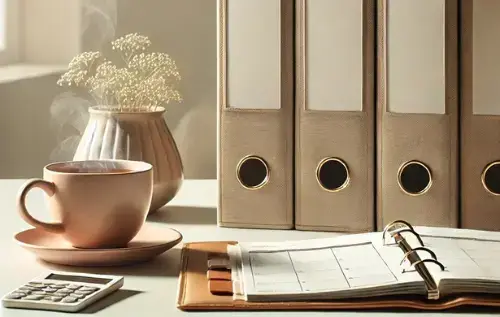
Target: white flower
x: 145, y: 82
x: 131, y: 43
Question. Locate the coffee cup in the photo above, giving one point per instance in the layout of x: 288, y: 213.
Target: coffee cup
x: 95, y: 204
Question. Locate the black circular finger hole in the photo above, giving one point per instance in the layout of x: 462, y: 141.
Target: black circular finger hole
x: 491, y: 178
x: 252, y: 172
x: 332, y: 174
x: 414, y: 178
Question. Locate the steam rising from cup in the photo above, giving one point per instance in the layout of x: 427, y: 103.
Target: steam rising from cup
x: 89, y: 166
x: 69, y: 111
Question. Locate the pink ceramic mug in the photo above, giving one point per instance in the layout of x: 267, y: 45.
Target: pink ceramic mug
x: 96, y: 204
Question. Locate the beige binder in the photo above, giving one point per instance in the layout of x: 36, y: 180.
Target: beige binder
x: 480, y: 190
x: 334, y: 135
x: 417, y: 115
x: 255, y: 154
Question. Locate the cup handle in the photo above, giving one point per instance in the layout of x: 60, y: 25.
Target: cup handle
x: 50, y: 189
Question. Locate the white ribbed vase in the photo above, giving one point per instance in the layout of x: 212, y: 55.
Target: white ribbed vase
x: 137, y: 136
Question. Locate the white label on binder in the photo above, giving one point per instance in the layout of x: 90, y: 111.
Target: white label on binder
x: 334, y: 55
x: 416, y: 56
x: 485, y: 53
x: 253, y: 41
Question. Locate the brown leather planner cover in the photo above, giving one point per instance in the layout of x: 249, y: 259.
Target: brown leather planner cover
x: 194, y: 291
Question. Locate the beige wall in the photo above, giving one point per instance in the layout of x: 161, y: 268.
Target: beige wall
x: 185, y: 29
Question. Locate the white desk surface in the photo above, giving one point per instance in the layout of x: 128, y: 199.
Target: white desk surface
x: 150, y: 288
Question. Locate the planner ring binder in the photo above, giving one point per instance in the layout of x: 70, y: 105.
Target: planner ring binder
x: 414, y: 178
x: 432, y: 254
x: 395, y: 229
x: 252, y: 172
x: 427, y: 260
x: 490, y: 178
x: 401, y: 230
x: 332, y: 174
x: 397, y: 224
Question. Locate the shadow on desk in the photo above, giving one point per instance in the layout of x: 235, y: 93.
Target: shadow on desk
x: 476, y: 310
x: 185, y: 215
x: 166, y: 264
x: 109, y: 300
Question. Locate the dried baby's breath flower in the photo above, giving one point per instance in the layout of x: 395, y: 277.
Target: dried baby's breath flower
x: 131, y: 43
x: 79, y: 68
x: 146, y: 81
x: 153, y: 63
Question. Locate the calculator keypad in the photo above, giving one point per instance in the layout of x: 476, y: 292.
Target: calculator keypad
x: 52, y: 292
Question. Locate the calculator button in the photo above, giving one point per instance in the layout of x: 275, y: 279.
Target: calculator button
x: 83, y: 292
x: 79, y: 296
x: 39, y: 293
x: 64, y: 291
x: 73, y: 286
x: 53, y: 298
x: 69, y: 299
x: 35, y: 284
x: 28, y: 288
x: 14, y: 296
x: 23, y: 290
x: 88, y: 288
x: 34, y: 297
x: 59, y: 286
x: 49, y: 290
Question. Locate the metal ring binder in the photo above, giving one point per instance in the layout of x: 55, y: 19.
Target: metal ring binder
x: 441, y: 266
x: 399, y: 231
x: 433, y: 255
x: 393, y: 224
x: 420, y: 189
x: 415, y: 260
x: 403, y: 229
x: 252, y: 172
x: 490, y: 174
x: 335, y: 186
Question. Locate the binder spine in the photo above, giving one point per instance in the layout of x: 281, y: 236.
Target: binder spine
x: 395, y: 230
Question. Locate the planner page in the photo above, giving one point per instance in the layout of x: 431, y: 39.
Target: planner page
x: 465, y: 258
x: 470, y: 258
x: 465, y: 254
x: 347, y: 266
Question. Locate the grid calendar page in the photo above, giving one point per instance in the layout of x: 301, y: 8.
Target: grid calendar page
x: 465, y: 258
x: 465, y: 254
x: 318, y: 266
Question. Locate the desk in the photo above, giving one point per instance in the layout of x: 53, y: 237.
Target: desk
x: 150, y: 288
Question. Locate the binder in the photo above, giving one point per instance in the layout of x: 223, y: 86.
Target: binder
x: 334, y: 115
x: 255, y: 115
x: 480, y: 130
x: 417, y: 112
x: 203, y: 289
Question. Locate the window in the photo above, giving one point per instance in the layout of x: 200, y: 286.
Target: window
x: 9, y: 28
x: 2, y: 24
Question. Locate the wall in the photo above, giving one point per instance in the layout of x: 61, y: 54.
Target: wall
x: 30, y: 137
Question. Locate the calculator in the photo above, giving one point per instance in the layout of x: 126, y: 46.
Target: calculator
x: 62, y: 291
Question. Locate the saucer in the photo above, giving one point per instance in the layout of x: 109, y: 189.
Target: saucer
x: 150, y: 242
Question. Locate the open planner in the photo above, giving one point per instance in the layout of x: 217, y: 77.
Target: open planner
x: 403, y: 266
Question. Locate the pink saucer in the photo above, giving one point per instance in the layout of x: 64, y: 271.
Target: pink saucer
x: 150, y: 242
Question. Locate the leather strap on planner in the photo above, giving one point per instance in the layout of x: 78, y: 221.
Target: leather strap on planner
x: 194, y: 292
